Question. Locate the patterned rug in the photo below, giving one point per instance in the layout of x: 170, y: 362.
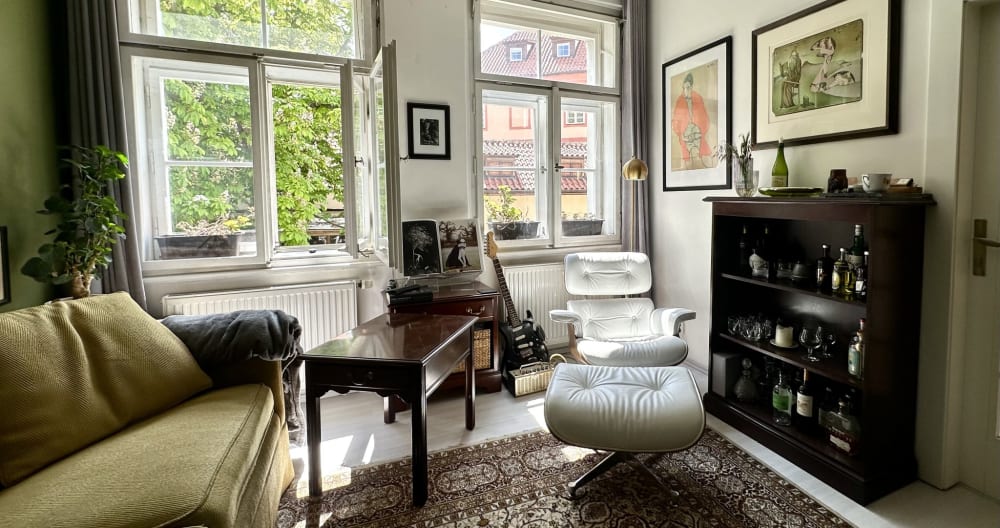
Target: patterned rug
x: 520, y: 481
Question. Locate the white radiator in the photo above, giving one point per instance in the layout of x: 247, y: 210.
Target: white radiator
x: 324, y: 310
x: 540, y: 289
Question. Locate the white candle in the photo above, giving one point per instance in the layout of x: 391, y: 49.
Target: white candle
x: 783, y: 336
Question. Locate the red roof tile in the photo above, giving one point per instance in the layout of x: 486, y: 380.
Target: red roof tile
x: 521, y: 153
x: 496, y: 58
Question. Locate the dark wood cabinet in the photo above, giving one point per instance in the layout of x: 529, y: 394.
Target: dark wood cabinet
x: 884, y: 400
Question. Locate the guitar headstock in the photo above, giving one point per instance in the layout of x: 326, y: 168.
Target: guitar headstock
x: 491, y: 246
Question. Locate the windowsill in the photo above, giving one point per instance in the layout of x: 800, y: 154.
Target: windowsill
x: 546, y: 255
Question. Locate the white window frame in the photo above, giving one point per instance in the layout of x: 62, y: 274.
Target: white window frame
x: 560, y: 46
x: 575, y: 118
x: 516, y: 54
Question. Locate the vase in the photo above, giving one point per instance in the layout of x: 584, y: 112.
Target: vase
x: 745, y: 182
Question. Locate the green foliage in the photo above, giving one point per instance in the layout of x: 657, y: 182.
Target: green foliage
x: 89, y: 224
x: 742, y: 155
x: 504, y: 210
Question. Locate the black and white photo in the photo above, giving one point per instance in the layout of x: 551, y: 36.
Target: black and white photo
x: 428, y: 131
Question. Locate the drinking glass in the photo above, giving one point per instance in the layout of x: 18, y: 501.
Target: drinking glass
x: 828, y: 341
x: 734, y: 325
x: 811, y: 339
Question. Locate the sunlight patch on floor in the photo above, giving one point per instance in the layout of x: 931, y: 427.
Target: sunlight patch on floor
x: 573, y: 453
x: 536, y: 408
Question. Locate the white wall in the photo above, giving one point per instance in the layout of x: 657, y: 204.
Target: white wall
x: 924, y: 149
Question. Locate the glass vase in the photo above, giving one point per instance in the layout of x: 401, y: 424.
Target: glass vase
x: 745, y: 182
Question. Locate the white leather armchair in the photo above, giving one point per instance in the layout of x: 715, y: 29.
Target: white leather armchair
x: 620, y: 332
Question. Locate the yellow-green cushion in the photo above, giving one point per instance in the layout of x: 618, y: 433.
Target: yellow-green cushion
x: 74, y: 372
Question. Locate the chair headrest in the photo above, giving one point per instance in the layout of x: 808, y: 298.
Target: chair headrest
x: 607, y: 273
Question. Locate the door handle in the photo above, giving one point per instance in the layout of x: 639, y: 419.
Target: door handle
x: 979, y: 245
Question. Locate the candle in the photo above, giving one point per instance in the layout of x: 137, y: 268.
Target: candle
x: 783, y: 336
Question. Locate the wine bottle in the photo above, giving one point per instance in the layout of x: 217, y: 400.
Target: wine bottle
x: 861, y: 280
x: 856, y: 352
x: 746, y: 249
x: 827, y: 406
x: 779, y: 173
x: 841, y: 282
x: 824, y: 270
x: 781, y: 400
x: 805, y: 411
x: 845, y: 430
x: 856, y: 255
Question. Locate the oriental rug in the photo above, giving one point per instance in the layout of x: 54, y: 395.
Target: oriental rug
x: 520, y: 481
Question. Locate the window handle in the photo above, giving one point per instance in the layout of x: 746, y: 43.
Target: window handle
x: 559, y: 167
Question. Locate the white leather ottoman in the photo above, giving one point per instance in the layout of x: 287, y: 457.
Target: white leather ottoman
x: 625, y: 410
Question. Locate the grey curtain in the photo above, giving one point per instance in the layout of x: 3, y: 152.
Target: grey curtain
x: 96, y: 116
x: 635, y: 200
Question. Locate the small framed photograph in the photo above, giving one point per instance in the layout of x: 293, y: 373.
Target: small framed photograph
x: 429, y: 131
x: 4, y: 268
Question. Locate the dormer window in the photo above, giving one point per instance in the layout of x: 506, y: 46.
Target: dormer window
x: 563, y: 49
x: 516, y: 54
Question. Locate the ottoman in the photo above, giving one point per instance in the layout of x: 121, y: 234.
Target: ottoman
x: 624, y: 410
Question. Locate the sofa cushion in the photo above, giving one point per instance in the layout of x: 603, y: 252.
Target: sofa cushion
x: 74, y: 372
x: 193, y: 464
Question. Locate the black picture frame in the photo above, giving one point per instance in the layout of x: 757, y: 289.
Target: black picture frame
x: 859, y: 98
x: 707, y: 171
x: 428, y: 131
x: 4, y: 267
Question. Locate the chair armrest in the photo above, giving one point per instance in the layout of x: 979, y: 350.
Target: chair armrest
x: 253, y: 370
x: 569, y: 317
x: 667, y: 321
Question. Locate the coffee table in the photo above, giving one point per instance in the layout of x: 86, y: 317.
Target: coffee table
x: 407, y: 355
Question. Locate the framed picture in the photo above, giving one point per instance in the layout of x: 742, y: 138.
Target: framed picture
x: 4, y: 268
x: 697, y: 118
x: 429, y: 131
x: 827, y: 73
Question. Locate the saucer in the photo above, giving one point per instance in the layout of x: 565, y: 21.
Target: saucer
x: 786, y: 348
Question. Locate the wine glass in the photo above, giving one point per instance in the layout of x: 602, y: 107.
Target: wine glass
x: 811, y: 339
x: 828, y: 339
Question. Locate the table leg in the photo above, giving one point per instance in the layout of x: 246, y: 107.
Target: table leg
x: 388, y: 409
x: 470, y: 387
x: 418, y: 413
x: 313, y: 438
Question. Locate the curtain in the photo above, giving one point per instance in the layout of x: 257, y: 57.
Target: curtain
x: 96, y: 116
x: 635, y: 201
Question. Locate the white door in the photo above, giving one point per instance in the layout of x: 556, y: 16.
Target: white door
x: 980, y: 457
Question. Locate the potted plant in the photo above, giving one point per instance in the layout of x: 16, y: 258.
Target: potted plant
x: 585, y: 224
x: 745, y: 178
x: 216, y: 238
x: 89, y: 221
x: 506, y: 220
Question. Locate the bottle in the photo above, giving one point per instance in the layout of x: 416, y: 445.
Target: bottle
x: 805, y: 411
x: 745, y: 390
x: 856, y: 255
x: 841, y: 278
x: 824, y: 270
x: 779, y: 173
x: 856, y: 352
x: 827, y: 406
x: 861, y: 280
x: 761, y: 265
x: 781, y: 400
x: 845, y: 430
x: 746, y: 249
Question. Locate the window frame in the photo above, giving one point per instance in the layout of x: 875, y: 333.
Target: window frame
x: 569, y: 49
x: 515, y: 50
x: 566, y: 118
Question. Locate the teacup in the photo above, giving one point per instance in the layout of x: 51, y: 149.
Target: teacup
x: 875, y: 181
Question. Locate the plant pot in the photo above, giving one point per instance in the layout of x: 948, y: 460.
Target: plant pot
x: 514, y: 230
x: 198, y: 246
x: 585, y: 227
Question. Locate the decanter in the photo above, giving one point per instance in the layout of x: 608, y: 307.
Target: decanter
x: 745, y: 389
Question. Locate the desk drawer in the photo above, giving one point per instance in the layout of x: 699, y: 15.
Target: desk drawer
x: 484, y: 309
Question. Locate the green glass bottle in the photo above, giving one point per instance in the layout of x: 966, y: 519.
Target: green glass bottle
x: 779, y: 173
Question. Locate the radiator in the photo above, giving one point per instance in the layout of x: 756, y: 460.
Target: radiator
x: 540, y: 289
x: 324, y: 310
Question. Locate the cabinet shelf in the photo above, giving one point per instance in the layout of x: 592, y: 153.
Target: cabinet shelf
x: 789, y: 287
x: 833, y: 368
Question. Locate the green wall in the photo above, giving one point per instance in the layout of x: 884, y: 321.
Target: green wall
x: 27, y: 140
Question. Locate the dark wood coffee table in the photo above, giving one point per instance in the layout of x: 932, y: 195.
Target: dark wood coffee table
x: 407, y: 355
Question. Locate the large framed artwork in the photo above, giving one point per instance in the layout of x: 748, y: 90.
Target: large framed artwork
x: 4, y: 268
x: 428, y: 131
x: 827, y: 73
x: 697, y: 118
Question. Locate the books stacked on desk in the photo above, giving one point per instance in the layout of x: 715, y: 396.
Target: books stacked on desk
x: 409, y: 294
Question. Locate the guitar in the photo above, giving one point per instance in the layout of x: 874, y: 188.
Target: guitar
x: 524, y: 342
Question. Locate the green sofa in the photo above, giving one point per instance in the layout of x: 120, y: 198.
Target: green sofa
x: 107, y: 421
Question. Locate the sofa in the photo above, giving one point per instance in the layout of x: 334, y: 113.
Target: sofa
x: 108, y: 421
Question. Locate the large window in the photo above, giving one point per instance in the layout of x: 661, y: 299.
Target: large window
x: 553, y: 163
x: 247, y: 159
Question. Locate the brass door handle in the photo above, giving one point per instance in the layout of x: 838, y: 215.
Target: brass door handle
x: 469, y: 311
x: 979, y: 245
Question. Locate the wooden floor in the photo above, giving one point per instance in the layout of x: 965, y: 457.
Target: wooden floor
x: 354, y: 435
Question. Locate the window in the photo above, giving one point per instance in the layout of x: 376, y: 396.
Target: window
x: 250, y: 160
x: 557, y: 159
x: 516, y: 54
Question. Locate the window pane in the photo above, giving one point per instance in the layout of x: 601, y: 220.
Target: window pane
x: 308, y: 164
x: 509, y: 50
x: 588, y: 176
x: 211, y: 213
x: 208, y: 121
x: 325, y: 27
x: 232, y: 22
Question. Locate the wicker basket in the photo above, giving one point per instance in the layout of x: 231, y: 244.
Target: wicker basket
x: 533, y: 377
x: 481, y: 358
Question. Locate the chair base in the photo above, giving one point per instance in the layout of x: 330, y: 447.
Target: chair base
x: 609, y: 462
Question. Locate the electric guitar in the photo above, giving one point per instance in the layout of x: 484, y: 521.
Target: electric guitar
x: 523, y: 341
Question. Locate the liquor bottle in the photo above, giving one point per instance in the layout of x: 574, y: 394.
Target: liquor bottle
x: 805, y: 411
x: 861, y: 279
x: 779, y: 173
x: 781, y: 400
x: 856, y: 255
x: 824, y: 270
x: 746, y: 249
x: 760, y: 267
x: 856, y: 352
x: 842, y: 280
x: 845, y: 430
x: 827, y: 406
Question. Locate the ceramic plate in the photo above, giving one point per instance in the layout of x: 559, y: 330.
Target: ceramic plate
x: 790, y: 191
x: 786, y: 348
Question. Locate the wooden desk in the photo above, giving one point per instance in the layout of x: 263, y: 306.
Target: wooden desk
x: 406, y: 355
